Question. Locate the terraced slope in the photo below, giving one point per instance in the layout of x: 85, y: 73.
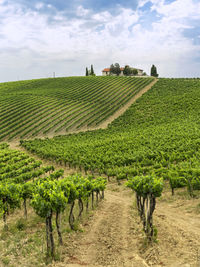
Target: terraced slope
x: 56, y: 106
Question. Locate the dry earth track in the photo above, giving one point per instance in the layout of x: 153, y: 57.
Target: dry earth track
x: 108, y: 239
x: 113, y: 236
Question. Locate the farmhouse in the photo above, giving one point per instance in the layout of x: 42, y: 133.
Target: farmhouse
x: 106, y: 72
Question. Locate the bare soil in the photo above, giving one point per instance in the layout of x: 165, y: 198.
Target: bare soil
x: 114, y: 237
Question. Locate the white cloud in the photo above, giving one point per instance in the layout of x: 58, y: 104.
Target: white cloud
x: 142, y: 3
x: 34, y: 44
x: 179, y: 9
x: 39, y: 5
x: 82, y: 11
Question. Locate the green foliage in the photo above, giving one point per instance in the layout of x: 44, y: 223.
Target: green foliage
x: 115, y: 69
x: 27, y: 190
x: 48, y: 196
x: 98, y: 184
x: 158, y: 135
x: 154, y: 71
x: 92, y: 71
x: 127, y: 71
x: 177, y: 182
x: 52, y: 196
x: 144, y: 185
x: 9, y: 196
x: 32, y: 108
x: 17, y: 171
x: 147, y: 189
x: 9, y: 199
x: 134, y: 71
x: 78, y: 186
x: 184, y: 177
x: 69, y: 189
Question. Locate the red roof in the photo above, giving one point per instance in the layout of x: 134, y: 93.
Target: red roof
x: 108, y: 69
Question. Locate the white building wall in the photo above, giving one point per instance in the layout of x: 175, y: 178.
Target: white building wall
x: 106, y: 73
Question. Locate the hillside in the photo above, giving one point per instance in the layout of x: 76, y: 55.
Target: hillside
x: 161, y: 129
x: 49, y: 107
x: 157, y: 137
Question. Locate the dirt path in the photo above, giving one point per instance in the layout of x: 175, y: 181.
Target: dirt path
x: 179, y: 228
x: 113, y: 236
x: 107, y: 239
x: 118, y: 113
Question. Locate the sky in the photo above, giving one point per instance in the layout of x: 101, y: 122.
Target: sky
x: 38, y: 38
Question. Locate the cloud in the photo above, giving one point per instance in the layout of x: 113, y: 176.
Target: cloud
x: 40, y: 39
x: 39, y: 5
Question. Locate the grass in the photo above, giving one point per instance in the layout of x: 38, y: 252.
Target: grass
x: 24, y: 243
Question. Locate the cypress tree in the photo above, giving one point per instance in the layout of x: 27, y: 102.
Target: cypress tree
x: 154, y: 71
x: 92, y: 70
x: 112, y: 69
x: 86, y: 74
x: 156, y: 74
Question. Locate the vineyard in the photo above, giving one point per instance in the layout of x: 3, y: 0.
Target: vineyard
x: 57, y: 106
x: 159, y: 135
x: 152, y: 150
x: 24, y: 182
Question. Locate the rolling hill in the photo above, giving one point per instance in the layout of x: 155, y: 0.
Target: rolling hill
x: 49, y: 107
x: 161, y: 129
x: 154, y: 144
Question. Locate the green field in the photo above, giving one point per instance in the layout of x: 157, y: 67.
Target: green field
x: 56, y: 106
x: 159, y: 134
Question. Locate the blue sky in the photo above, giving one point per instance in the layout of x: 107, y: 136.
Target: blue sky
x: 38, y: 38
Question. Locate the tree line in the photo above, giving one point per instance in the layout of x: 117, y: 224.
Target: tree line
x: 127, y: 71
x: 90, y: 72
